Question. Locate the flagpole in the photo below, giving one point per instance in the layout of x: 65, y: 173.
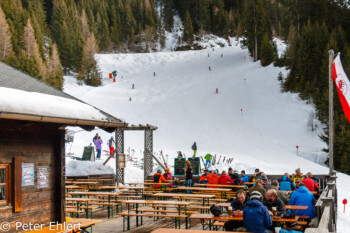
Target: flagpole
x: 330, y: 120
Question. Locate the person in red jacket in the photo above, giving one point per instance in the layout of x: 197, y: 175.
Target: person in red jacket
x: 310, y: 184
x: 224, y: 178
x: 158, y: 178
x: 213, y: 178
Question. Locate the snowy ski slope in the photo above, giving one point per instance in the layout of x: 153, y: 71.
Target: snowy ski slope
x: 182, y: 102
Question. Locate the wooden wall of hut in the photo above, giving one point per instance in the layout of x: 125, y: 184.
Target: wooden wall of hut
x: 43, y: 145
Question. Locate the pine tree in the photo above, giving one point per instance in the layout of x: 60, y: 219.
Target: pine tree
x: 5, y: 37
x: 32, y: 50
x: 267, y: 51
x: 188, y: 29
x: 88, y: 71
x: 54, y: 67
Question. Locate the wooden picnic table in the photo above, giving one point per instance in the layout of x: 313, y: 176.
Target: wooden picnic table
x: 296, y: 207
x: 225, y: 218
x: 248, y: 183
x: 221, y: 190
x: 288, y: 207
x: 79, y: 201
x: 107, y: 194
x: 168, y: 230
x: 221, y: 185
x: 81, y: 224
x: 184, y: 196
x: 313, y: 192
x: 180, y: 204
x: 85, y: 182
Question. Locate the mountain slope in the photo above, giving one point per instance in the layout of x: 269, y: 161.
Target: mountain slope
x: 182, y: 102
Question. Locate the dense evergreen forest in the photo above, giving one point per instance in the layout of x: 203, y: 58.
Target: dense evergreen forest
x: 47, y: 38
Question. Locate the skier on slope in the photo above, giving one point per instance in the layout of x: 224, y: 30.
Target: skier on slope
x: 111, y: 145
x: 209, y: 68
x: 208, y: 158
x: 194, y: 148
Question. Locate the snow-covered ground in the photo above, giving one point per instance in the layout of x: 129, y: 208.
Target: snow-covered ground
x: 249, y: 119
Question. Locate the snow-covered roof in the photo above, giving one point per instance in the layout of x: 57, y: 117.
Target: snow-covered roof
x: 23, y: 97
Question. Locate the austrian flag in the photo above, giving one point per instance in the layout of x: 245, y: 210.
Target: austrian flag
x: 343, y: 85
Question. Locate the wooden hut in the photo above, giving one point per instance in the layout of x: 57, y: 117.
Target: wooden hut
x: 33, y: 117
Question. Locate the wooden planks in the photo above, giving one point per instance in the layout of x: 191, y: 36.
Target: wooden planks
x: 17, y: 182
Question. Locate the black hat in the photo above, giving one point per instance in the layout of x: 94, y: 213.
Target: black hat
x: 230, y: 169
x: 257, y: 170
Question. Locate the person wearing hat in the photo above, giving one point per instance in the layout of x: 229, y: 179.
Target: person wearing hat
x: 256, y: 216
x: 257, y: 187
x: 297, y: 175
x: 203, y: 178
x: 236, y: 179
x: 167, y: 175
x: 265, y: 181
x: 158, y: 178
x: 244, y: 177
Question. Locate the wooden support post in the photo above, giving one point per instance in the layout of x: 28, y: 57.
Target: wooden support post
x: 17, y: 184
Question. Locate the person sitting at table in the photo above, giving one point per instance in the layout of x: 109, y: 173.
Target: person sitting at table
x: 237, y: 205
x: 203, y: 178
x: 244, y: 177
x: 297, y: 183
x: 213, y: 178
x: 310, y: 184
x: 303, y: 197
x: 272, y: 200
x: 286, y: 184
x: 224, y: 179
x: 258, y: 187
x: 265, y: 181
x: 167, y: 175
x: 256, y: 217
x: 158, y: 178
x: 309, y: 175
x: 255, y: 176
x: 297, y: 175
x: 283, y: 195
x: 234, y: 176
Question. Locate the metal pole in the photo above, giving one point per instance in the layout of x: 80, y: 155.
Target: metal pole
x: 330, y: 123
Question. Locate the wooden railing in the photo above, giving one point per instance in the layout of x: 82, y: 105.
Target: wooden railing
x: 326, y: 209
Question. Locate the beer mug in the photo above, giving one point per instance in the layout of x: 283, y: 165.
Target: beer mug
x: 274, y: 211
x: 230, y: 210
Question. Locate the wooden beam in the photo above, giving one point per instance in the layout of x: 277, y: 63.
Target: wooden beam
x: 17, y: 184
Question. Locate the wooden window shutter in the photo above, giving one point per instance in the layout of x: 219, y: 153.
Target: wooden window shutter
x: 17, y: 184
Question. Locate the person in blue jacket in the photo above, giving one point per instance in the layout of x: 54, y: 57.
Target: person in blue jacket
x: 244, y: 177
x: 302, y: 196
x: 256, y: 217
x: 286, y: 184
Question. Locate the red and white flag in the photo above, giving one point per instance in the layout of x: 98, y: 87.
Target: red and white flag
x: 343, y: 85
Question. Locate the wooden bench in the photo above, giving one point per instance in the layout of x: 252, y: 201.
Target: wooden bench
x: 217, y: 225
x: 74, y: 211
x: 297, y: 228
x: 126, y: 218
x: 167, y: 211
